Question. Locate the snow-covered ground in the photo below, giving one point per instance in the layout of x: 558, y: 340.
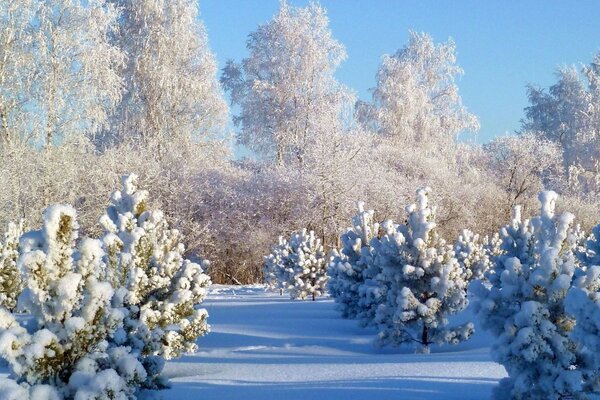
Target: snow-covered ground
x: 263, y: 346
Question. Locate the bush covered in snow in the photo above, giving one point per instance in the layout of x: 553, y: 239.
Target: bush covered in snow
x: 425, y: 282
x: 11, y: 282
x: 64, y: 352
x: 346, y: 269
x: 299, y: 266
x: 106, y: 313
x: 473, y: 254
x: 156, y: 288
x: 524, y: 307
x: 275, y: 270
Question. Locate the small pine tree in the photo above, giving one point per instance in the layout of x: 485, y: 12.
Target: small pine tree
x: 275, y: 270
x: 64, y: 352
x: 472, y: 254
x: 425, y: 281
x: 524, y: 307
x: 299, y: 266
x: 346, y: 268
x: 157, y: 289
x: 309, y: 266
x: 11, y: 282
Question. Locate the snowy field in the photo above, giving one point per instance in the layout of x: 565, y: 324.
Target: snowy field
x: 263, y: 346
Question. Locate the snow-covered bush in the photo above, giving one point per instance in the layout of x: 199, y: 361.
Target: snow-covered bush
x: 275, y: 269
x: 425, y: 282
x: 63, y: 353
x: 299, y: 265
x: 473, y: 254
x: 346, y: 268
x: 11, y: 282
x: 524, y: 307
x: 156, y: 288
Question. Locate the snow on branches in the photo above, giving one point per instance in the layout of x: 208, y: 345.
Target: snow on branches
x: 158, y: 290
x: 425, y: 282
x: 524, y: 306
x: 346, y: 268
x: 298, y: 265
x: 11, y: 282
x: 64, y: 352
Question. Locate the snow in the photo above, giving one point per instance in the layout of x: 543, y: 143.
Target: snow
x: 263, y: 345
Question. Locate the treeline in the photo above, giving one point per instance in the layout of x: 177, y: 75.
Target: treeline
x: 90, y: 90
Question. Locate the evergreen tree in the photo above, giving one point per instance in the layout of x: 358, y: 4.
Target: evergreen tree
x: 346, y: 268
x: 64, y: 352
x: 11, y: 282
x: 299, y: 266
x: 524, y: 307
x: 425, y: 280
x: 157, y: 289
x: 275, y: 271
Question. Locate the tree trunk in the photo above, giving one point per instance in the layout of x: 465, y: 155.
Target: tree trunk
x: 425, y: 340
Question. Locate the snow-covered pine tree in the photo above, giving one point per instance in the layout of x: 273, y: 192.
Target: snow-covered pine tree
x: 472, y: 253
x: 275, y: 272
x: 524, y: 307
x: 346, y: 268
x: 11, y: 282
x: 157, y: 289
x: 373, y: 289
x: 425, y: 280
x: 63, y: 353
x: 306, y: 265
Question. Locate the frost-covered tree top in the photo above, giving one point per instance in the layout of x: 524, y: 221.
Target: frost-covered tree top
x: 524, y: 165
x: 77, y: 82
x: 156, y: 287
x: 288, y: 95
x: 170, y: 75
x: 567, y: 113
x: 524, y: 307
x: 425, y: 282
x: 416, y: 99
x: 15, y: 68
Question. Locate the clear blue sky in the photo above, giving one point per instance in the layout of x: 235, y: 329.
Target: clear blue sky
x: 502, y: 45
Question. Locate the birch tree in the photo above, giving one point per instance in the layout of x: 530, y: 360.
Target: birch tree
x: 76, y: 81
x: 170, y: 75
x: 288, y: 96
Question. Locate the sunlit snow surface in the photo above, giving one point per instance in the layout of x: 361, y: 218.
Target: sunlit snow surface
x: 263, y: 346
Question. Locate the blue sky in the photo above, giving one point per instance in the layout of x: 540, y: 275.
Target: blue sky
x: 502, y: 45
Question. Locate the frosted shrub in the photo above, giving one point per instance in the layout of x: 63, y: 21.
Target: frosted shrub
x: 275, y: 270
x: 524, y: 307
x: 583, y: 304
x: 425, y: 282
x: 157, y: 289
x: 299, y: 266
x: 63, y: 352
x: 11, y: 282
x: 472, y: 253
x: 346, y: 268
